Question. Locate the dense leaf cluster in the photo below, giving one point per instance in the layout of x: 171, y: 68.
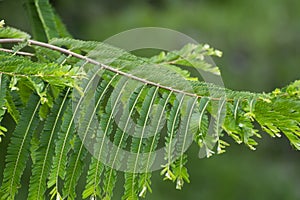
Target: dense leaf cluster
x: 71, y: 94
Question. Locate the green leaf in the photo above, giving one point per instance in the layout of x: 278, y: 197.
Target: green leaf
x: 34, y: 74
x: 18, y: 149
x: 45, y: 152
x: 154, y: 99
x: 47, y: 18
x: 9, y: 32
x: 3, y: 102
x: 96, y: 168
x: 120, y: 139
x: 135, y: 164
x: 62, y: 148
x: 191, y: 55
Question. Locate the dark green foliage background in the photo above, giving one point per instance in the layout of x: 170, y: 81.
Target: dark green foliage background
x: 260, y: 41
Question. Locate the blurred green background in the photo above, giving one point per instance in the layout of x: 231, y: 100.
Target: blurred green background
x: 261, y: 45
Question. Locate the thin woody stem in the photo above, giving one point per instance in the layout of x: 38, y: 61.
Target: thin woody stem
x: 16, y: 52
x: 66, y: 51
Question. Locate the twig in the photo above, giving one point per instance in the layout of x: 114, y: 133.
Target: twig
x: 66, y: 51
x: 17, y: 52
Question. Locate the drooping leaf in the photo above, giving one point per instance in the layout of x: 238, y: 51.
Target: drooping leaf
x: 18, y: 149
x: 45, y: 152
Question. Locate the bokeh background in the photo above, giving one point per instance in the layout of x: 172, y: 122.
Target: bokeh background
x: 261, y: 45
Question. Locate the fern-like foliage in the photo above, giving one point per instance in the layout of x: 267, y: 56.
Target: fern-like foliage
x: 87, y: 105
x: 18, y: 150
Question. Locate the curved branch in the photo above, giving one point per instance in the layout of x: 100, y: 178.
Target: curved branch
x: 89, y: 60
